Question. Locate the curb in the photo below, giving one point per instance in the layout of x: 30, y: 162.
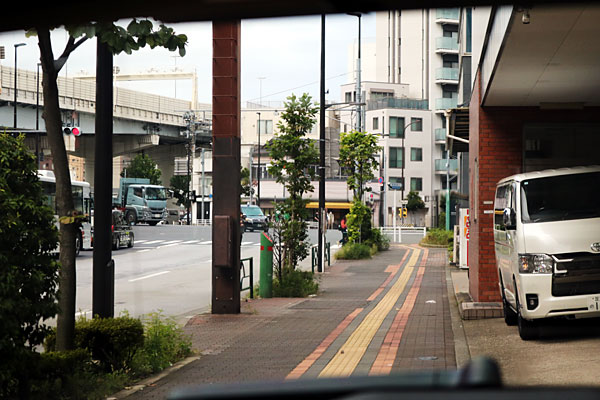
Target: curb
x: 141, y: 385
x: 461, y: 346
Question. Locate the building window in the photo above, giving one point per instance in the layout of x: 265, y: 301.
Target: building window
x: 381, y: 95
x: 265, y: 126
x: 396, y: 157
x: 416, y: 124
x: 348, y: 97
x: 397, y: 127
x: 375, y: 123
x: 416, y: 184
x: 416, y: 154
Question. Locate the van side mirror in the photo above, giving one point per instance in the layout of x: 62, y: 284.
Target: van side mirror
x: 509, y: 219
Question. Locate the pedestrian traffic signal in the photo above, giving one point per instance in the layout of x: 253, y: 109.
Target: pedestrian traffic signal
x: 75, y: 130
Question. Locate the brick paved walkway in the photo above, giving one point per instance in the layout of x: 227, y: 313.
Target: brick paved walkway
x: 371, y: 317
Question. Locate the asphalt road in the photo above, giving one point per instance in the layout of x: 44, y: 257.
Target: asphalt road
x: 168, y: 269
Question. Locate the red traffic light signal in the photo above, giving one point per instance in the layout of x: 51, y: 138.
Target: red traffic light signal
x: 76, y: 131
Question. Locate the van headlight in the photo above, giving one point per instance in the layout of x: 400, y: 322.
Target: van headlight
x: 535, y: 264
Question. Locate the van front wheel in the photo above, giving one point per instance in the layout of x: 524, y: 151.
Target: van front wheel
x: 528, y: 330
x: 510, y: 316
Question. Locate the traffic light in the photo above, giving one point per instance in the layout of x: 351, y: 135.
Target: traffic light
x: 404, y: 212
x: 75, y: 130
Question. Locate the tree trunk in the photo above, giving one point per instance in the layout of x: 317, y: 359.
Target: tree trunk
x: 64, y: 197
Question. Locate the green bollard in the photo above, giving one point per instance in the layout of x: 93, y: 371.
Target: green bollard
x: 266, y: 267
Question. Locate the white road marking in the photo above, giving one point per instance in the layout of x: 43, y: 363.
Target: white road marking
x: 173, y: 241
x: 149, y: 276
x: 169, y: 245
x: 143, y: 251
x: 141, y: 241
x: 154, y: 241
x: 190, y: 241
x: 207, y: 242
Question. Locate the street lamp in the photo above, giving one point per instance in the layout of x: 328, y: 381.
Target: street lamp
x: 37, y: 115
x: 359, y: 122
x: 17, y: 45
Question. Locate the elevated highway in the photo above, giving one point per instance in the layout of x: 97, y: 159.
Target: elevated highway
x: 141, y: 121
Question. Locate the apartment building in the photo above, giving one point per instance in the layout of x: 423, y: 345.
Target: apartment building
x: 407, y: 87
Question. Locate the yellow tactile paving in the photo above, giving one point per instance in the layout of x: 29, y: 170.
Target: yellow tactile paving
x: 350, y: 354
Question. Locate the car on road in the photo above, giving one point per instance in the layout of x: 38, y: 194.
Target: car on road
x: 255, y: 219
x: 122, y: 233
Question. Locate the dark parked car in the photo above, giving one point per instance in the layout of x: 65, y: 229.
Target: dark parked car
x: 255, y: 219
x: 122, y: 234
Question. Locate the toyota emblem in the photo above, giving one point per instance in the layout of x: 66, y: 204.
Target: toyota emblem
x: 595, y: 247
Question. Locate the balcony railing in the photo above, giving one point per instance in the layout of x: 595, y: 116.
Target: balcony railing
x: 440, y: 165
x: 444, y: 103
x: 440, y: 135
x: 447, y: 14
x: 446, y: 74
x: 446, y: 43
x: 411, y: 104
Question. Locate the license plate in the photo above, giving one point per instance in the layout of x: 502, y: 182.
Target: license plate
x: 156, y: 215
x: 594, y: 303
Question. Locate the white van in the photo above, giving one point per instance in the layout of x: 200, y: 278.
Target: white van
x: 547, y: 242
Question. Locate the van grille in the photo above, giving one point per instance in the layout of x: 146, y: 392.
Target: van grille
x: 582, y: 275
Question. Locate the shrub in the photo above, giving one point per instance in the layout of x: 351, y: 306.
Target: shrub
x: 111, y: 341
x: 164, y: 344
x: 380, y: 241
x: 440, y: 237
x: 355, y: 251
x: 295, y: 283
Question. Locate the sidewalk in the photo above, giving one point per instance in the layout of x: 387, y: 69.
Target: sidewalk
x: 392, y: 313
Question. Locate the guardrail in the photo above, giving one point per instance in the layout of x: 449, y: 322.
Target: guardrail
x: 396, y: 233
x: 250, y: 275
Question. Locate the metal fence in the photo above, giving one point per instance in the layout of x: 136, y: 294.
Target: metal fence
x: 396, y: 234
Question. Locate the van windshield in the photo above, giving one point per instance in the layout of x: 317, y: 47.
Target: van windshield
x: 560, y: 198
x: 252, y: 211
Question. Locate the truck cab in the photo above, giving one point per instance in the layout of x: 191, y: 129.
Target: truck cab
x: 142, y: 202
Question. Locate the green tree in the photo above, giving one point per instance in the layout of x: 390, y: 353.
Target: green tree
x: 414, y: 201
x: 292, y: 156
x: 138, y: 34
x: 143, y: 166
x: 358, y: 152
x: 180, y: 184
x: 28, y: 281
x: 245, y: 182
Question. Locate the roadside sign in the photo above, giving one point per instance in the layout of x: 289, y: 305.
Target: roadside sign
x: 381, y: 179
x: 395, y: 186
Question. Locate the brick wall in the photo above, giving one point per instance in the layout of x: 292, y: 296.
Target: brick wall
x: 495, y: 152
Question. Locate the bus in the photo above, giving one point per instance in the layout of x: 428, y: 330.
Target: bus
x: 82, y: 199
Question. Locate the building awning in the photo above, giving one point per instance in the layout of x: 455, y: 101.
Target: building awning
x: 457, y: 138
x: 330, y: 205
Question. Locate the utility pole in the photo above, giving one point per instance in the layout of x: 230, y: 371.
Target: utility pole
x: 190, y: 118
x: 322, y: 150
x: 202, y: 189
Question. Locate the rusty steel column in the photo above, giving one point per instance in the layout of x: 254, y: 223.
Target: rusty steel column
x: 226, y: 168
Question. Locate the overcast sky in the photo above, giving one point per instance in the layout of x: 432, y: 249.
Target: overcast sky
x: 283, y: 51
